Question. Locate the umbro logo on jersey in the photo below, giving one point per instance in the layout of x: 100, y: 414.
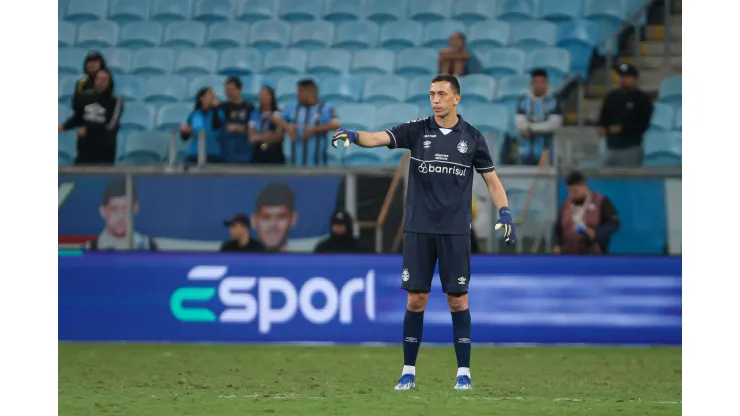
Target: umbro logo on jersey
x: 427, y: 143
x: 461, y: 280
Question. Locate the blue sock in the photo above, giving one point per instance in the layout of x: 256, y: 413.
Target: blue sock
x: 413, y: 323
x: 461, y: 333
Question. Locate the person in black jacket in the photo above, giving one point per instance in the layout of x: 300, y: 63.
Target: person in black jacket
x: 240, y: 240
x: 97, y: 114
x: 94, y: 62
x: 341, y: 239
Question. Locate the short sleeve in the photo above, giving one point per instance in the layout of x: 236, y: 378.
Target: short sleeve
x: 328, y: 114
x: 521, y: 106
x: 405, y: 135
x: 254, y: 119
x: 288, y: 113
x: 482, y: 161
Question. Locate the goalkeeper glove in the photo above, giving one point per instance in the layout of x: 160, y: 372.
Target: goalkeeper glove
x: 507, y: 224
x: 347, y: 136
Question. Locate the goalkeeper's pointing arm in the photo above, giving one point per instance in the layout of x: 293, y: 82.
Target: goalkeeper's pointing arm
x: 360, y: 138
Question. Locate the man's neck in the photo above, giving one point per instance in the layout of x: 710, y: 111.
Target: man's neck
x: 243, y: 241
x: 109, y: 235
x: 237, y: 101
x: 447, y: 122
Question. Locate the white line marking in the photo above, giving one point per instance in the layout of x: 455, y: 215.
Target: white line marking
x: 438, y: 161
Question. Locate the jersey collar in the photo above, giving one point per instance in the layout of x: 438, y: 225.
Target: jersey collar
x: 456, y: 127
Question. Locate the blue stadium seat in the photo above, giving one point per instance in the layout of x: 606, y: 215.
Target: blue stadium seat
x: 560, y: 10
x: 118, y: 60
x: 127, y: 11
x: 382, y: 11
x: 342, y: 10
x: 71, y: 61
x: 356, y: 35
x: 145, y: 148
x: 182, y: 35
x: 430, y: 10
x: 67, y: 32
x: 394, y: 157
x: 67, y: 86
x: 334, y: 156
x: 239, y: 62
x: 609, y: 17
x: 152, y: 61
x: 510, y: 90
x: 67, y: 151
x: 417, y: 61
x: 357, y: 117
x: 360, y: 156
x: 678, y: 124
x: 165, y: 89
x: 299, y: 10
x: 485, y: 36
x: 418, y: 90
x: 79, y: 11
x: 62, y: 8
x: 138, y: 35
x: 437, y: 34
x: 213, y: 10
x: 222, y: 35
x: 207, y: 81
x: 513, y: 11
x: 496, y: 118
x: 341, y: 89
x: 663, y: 118
x: 373, y: 62
x: 533, y: 34
x: 137, y: 117
x: 171, y: 116
x: 63, y: 112
x: 130, y: 88
x: 97, y: 34
x: 578, y: 37
x: 312, y: 35
x: 195, y: 62
x: 255, y: 10
x: 477, y: 88
x: 400, y: 35
x: 286, y: 88
x: 472, y: 11
x: 670, y: 91
x: 267, y: 35
x: 170, y: 10
x: 503, y: 61
x: 329, y: 62
x: 285, y: 62
x: 383, y: 90
x: 394, y: 114
x: 555, y: 60
x: 662, y: 148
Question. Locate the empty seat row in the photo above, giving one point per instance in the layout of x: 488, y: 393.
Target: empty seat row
x: 670, y: 91
x: 662, y: 148
x: 665, y: 117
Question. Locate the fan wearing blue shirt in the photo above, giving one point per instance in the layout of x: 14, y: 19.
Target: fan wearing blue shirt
x: 209, y: 119
x: 308, y: 122
x: 538, y: 116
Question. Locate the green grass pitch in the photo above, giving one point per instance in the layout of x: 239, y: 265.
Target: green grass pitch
x: 220, y: 380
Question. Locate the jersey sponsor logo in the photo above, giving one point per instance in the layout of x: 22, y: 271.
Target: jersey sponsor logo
x: 426, y: 167
x: 94, y: 113
x: 430, y: 135
x: 441, y: 156
x: 427, y: 143
x: 462, y: 146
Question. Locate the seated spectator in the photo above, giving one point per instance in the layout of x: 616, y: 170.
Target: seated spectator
x: 539, y: 115
x: 265, y: 134
x: 455, y: 59
x: 208, y: 119
x: 236, y: 147
x: 94, y: 62
x: 341, y: 239
x: 240, y: 240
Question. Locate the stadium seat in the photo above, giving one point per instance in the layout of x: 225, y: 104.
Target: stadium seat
x: 373, y: 62
x: 171, y: 116
x: 533, y: 34
x: 609, y: 16
x: 182, y: 35
x: 138, y: 35
x: 251, y: 85
x: 152, y: 61
x: 437, y: 34
x: 578, y: 37
x: 208, y: 81
x: 357, y: 117
x: 503, y: 61
x: 79, y: 11
x: 360, y: 156
x: 267, y: 35
x: 555, y: 60
x: 510, y: 89
x: 137, y: 117
x: 195, y: 62
x: 383, y: 90
x: 255, y: 10
x: 118, y: 60
x: 209, y: 11
x: 670, y: 91
x: 67, y: 151
x: 662, y: 148
x: 222, y: 35
x: 473, y: 11
x: 478, y: 88
x: 63, y: 112
x: 342, y: 10
x: 394, y: 157
x: 400, y: 35
x: 239, y: 62
x: 418, y: 90
x: 71, y: 61
x: 127, y: 11
x: 328, y: 62
x: 513, y: 11
x: 392, y: 115
x: 429, y: 10
x: 299, y: 10
x: 285, y: 62
x: 130, y: 88
x: 165, y: 89
x: 145, y: 148
x: 285, y: 88
x: 485, y: 36
x: 312, y: 35
x: 560, y: 10
x: 383, y: 11
x: 170, y: 10
x: 97, y: 34
x: 67, y: 33
x: 67, y: 86
x: 417, y: 61
x: 356, y: 35
x: 341, y: 89
x: 678, y: 125
x: 496, y: 118
x: 663, y: 118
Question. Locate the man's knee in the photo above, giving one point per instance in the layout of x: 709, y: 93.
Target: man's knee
x: 457, y: 301
x: 417, y: 301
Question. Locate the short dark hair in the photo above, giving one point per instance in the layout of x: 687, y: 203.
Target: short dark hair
x: 117, y: 188
x: 539, y: 72
x: 276, y: 194
x: 575, y: 178
x: 234, y: 80
x: 454, y: 83
x: 307, y: 83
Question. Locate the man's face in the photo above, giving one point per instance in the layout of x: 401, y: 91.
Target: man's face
x: 237, y: 231
x: 338, y: 230
x: 443, y: 98
x: 578, y: 192
x: 233, y: 93
x: 627, y: 81
x: 272, y: 224
x: 306, y: 95
x: 114, y: 214
x: 102, y: 80
x: 92, y: 66
x: 456, y: 42
x: 539, y: 85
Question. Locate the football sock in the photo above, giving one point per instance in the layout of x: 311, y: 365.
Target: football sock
x: 461, y: 334
x: 413, y: 324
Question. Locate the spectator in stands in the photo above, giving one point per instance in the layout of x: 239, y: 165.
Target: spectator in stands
x: 206, y: 119
x: 625, y: 117
x: 455, y: 59
x: 274, y: 216
x: 94, y: 62
x: 341, y: 239
x: 587, y: 220
x: 236, y: 147
x: 539, y: 115
x: 308, y: 123
x: 240, y: 240
x: 264, y: 133
x: 97, y: 115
